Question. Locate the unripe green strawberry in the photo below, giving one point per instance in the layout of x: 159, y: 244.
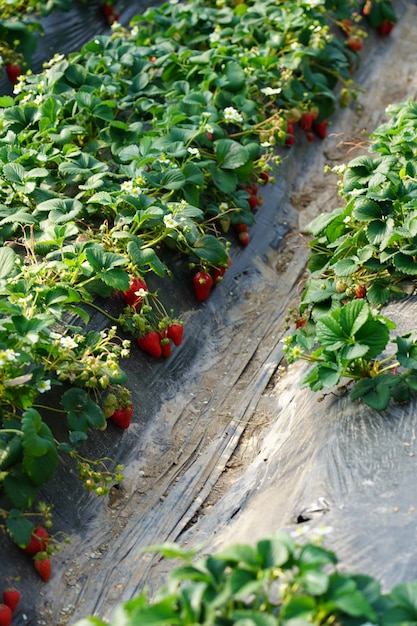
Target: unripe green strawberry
x: 340, y: 286
x: 345, y: 98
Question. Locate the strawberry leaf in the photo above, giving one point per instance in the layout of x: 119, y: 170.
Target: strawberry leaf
x: 19, y: 528
x: 83, y: 413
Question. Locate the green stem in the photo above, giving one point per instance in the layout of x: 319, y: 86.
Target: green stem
x: 102, y: 311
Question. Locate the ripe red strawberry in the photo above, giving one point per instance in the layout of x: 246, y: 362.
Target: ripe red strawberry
x: 202, y: 283
x: 175, y: 332
x: 264, y: 176
x: 385, y: 28
x: 123, y: 416
x: 306, y: 121
x: 253, y: 201
x: 301, y: 322
x: 360, y: 291
x: 165, y: 345
x: 108, y: 9
x: 346, y: 26
x: 5, y: 615
x: 11, y: 597
x: 13, y: 70
x: 210, y: 136
x: 290, y: 134
x: 217, y: 274
x: 321, y: 129
x: 241, y: 227
x: 310, y: 136
x: 112, y: 18
x: 150, y: 343
x: 355, y: 43
x: 133, y: 295
x: 42, y: 564
x: 38, y: 541
x: 244, y: 238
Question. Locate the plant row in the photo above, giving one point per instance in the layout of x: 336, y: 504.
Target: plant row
x: 148, y: 141
x: 277, y: 582
x: 363, y: 255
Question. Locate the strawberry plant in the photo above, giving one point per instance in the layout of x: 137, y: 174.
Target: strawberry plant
x: 277, y: 581
x: 363, y: 255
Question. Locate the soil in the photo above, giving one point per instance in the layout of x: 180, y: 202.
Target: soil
x: 224, y: 419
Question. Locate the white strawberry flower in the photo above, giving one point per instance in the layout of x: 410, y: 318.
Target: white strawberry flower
x: 44, y: 385
x: 231, y: 114
x: 169, y: 221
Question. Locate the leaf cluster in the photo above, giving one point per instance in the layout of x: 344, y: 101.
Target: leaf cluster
x: 363, y: 255
x: 277, y: 582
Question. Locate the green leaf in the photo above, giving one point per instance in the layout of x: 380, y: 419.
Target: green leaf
x: 230, y: 154
x: 19, y: 528
x: 40, y: 453
x: 235, y: 77
x: 8, y: 262
x: 145, y: 258
x: 366, y: 210
x: 355, y: 604
x: 314, y: 581
x: 61, y: 210
x: 253, y: 618
x: 375, y: 395
x: 346, y: 267
x: 353, y: 316
x: 320, y: 223
x: 274, y: 552
x: 243, y: 582
x: 210, y: 249
x: 19, y: 489
x: 83, y: 413
x: 239, y: 553
x: 405, y: 264
x: 14, y: 173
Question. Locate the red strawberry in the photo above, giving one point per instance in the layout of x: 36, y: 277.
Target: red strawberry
x: 386, y: 27
x: 290, y: 134
x: 306, y: 121
x: 321, y: 129
x: 301, y: 322
x: 38, y: 541
x: 346, y: 26
x: 108, y: 9
x: 315, y: 112
x: 13, y: 70
x: 43, y: 566
x: 218, y: 273
x: 241, y: 227
x: 310, y: 136
x: 5, y: 615
x: 112, y: 18
x: 202, y: 282
x: 165, y: 345
x: 244, y: 238
x: 360, y: 291
x: 355, y: 43
x: 175, y: 332
x: 265, y: 176
x: 133, y: 295
x: 210, y: 136
x: 11, y: 597
x: 150, y: 343
x: 123, y: 416
x: 253, y: 202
